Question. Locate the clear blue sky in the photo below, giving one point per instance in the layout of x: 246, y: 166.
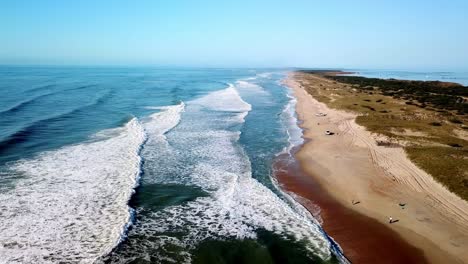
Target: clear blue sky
x: 412, y: 34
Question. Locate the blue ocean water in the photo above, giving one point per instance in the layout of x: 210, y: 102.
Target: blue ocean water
x: 456, y: 77
x: 149, y: 165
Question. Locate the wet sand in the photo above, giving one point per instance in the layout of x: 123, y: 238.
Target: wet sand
x: 335, y: 170
x: 362, y: 239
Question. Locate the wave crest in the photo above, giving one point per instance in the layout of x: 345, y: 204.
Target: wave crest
x: 227, y: 100
x: 71, y: 204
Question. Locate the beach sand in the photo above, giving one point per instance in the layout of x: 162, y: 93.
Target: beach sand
x: 363, y: 239
x: 350, y: 166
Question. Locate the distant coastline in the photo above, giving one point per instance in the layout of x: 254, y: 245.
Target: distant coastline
x: 460, y: 77
x: 353, y: 169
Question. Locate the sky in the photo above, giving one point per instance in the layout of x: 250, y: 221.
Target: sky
x: 416, y: 34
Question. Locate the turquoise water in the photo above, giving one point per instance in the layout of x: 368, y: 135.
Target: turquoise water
x: 444, y: 76
x: 149, y: 165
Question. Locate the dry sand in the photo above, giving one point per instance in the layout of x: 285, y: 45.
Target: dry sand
x: 350, y: 166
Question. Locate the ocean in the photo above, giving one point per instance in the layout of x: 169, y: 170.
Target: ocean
x: 149, y: 165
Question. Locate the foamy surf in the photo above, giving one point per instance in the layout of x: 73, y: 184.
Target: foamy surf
x: 203, y: 151
x: 71, y: 205
x: 227, y: 100
x: 160, y: 123
x: 295, y: 140
x: 290, y: 121
x: 249, y: 87
x: 203, y: 178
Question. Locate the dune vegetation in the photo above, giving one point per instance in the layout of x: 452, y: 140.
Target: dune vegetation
x: 427, y: 119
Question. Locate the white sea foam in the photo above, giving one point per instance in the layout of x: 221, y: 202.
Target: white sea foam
x: 266, y: 75
x: 201, y: 151
x: 72, y: 203
x: 161, y: 122
x: 227, y: 100
x: 291, y: 122
x: 295, y: 138
x: 237, y: 207
x: 248, y: 87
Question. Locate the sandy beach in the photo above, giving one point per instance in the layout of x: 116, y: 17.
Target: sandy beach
x: 372, y: 181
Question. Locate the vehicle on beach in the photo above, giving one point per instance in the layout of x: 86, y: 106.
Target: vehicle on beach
x: 329, y: 133
x: 320, y: 114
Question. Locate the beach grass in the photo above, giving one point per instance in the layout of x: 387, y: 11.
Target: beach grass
x: 435, y: 138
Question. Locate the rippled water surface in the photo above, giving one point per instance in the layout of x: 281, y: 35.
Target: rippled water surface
x: 148, y: 165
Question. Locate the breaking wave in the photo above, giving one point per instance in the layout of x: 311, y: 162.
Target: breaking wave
x: 203, y: 151
x: 71, y: 204
x: 290, y: 120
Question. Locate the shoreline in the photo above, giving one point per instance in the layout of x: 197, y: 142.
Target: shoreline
x: 433, y: 221
x: 376, y: 243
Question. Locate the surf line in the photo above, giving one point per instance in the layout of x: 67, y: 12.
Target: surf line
x: 167, y: 113
x: 285, y: 164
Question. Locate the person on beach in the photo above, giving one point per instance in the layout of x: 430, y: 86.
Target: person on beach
x: 390, y: 220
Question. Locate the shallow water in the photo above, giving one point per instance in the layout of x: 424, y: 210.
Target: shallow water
x: 149, y: 165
